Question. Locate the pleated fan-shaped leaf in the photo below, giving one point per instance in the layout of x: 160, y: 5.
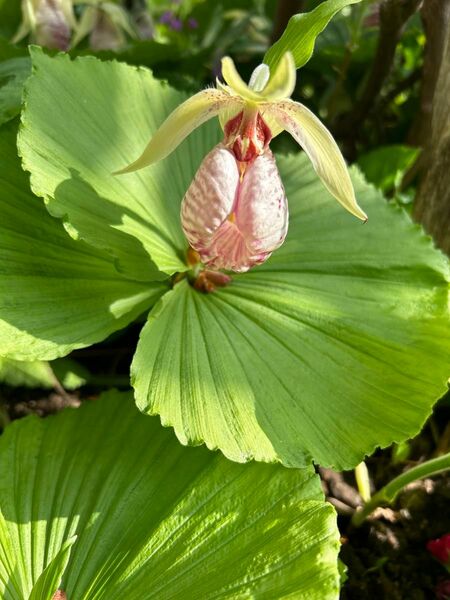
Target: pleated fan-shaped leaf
x: 105, y: 113
x: 153, y: 519
x: 336, y: 345
x: 56, y: 294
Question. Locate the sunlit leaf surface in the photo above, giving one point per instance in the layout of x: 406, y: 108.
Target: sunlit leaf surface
x: 56, y: 294
x: 154, y: 519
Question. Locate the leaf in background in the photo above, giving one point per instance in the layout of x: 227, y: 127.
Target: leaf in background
x: 338, y: 344
x: 385, y: 166
x: 57, y: 294
x: 301, y: 32
x: 10, y: 17
x: 132, y: 216
x: 41, y: 374
x: 154, y: 519
x: 13, y: 74
x: 70, y: 374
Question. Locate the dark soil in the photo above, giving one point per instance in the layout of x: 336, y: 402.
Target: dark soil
x: 386, y: 557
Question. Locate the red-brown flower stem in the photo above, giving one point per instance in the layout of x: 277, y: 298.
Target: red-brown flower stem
x: 204, y: 280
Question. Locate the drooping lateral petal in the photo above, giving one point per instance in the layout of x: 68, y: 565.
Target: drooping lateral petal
x: 282, y: 83
x: 321, y: 148
x: 120, y: 18
x: 23, y: 31
x: 180, y: 123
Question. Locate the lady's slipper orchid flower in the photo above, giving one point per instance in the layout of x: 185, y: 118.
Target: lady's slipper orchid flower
x: 105, y: 23
x: 235, y: 214
x: 49, y: 21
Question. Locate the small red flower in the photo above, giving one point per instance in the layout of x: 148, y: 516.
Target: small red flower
x: 440, y: 549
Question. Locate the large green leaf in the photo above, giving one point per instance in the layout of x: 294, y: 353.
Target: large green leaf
x: 104, y: 115
x: 154, y: 519
x: 338, y: 344
x: 335, y: 346
x: 301, y: 32
x: 57, y: 294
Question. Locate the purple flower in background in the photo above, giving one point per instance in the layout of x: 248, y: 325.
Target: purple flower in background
x: 166, y: 17
x: 176, y: 24
x: 192, y: 23
x: 171, y: 20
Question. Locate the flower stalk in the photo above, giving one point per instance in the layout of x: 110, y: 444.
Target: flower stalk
x: 389, y: 492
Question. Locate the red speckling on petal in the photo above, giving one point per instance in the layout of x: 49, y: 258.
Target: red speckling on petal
x: 235, y: 218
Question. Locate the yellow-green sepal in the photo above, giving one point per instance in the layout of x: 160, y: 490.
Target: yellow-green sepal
x: 282, y: 83
x: 180, y: 123
x: 322, y: 150
x: 236, y: 83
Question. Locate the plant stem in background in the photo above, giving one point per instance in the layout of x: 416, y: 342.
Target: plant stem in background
x: 393, y: 17
x: 433, y: 197
x: 435, y: 16
x: 285, y: 10
x: 355, y: 26
x: 389, y: 492
x: 363, y: 481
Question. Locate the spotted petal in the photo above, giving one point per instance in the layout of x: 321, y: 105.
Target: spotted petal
x: 319, y: 145
x: 180, y: 123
